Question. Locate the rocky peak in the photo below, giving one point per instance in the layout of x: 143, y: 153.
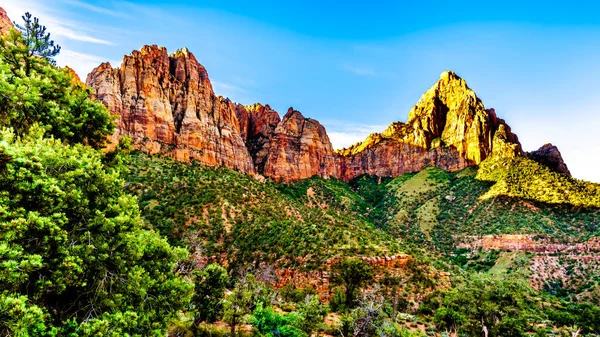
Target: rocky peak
x: 451, y: 115
x: 298, y: 148
x: 550, y: 156
x: 166, y: 104
x: 5, y: 22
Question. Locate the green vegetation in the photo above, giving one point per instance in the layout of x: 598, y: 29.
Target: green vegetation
x: 36, y: 39
x: 439, y: 208
x: 209, y: 286
x: 76, y: 259
x: 225, y: 211
x: 75, y: 254
x: 33, y: 91
x: 526, y: 179
x: 352, y: 274
x: 499, y: 306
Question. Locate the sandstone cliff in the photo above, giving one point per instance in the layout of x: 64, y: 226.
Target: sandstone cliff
x: 257, y: 123
x: 298, y: 148
x: 166, y: 104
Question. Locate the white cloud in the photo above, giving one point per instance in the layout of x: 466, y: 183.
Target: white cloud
x: 80, y: 62
x: 61, y: 30
x: 96, y: 9
x: 343, y: 134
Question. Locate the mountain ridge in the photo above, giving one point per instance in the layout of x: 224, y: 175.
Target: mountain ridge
x: 166, y: 103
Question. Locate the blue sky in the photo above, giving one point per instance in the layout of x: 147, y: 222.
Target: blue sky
x: 358, y: 66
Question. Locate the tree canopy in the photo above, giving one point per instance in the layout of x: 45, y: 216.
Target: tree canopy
x: 74, y: 252
x: 352, y: 273
x: 36, y: 39
x: 34, y: 91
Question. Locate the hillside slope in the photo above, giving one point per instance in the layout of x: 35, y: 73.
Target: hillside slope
x: 230, y: 216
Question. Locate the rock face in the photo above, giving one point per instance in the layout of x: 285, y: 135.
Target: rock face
x: 550, y: 156
x: 5, y: 23
x: 448, y: 128
x: 298, y: 148
x: 166, y: 104
x: 257, y: 124
x: 528, y: 243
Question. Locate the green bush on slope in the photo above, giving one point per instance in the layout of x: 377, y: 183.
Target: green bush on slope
x: 438, y: 207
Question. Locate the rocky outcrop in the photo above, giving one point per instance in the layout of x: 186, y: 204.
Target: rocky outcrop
x: 528, y: 243
x: 391, y: 158
x: 298, y: 148
x: 320, y: 280
x: 166, y: 104
x: 550, y: 156
x: 257, y: 124
x: 5, y: 22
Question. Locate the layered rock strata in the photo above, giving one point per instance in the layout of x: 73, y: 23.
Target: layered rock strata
x: 166, y: 104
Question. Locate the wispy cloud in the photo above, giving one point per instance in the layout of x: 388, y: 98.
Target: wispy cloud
x: 359, y: 70
x: 96, y: 9
x: 62, y: 30
x: 80, y: 62
x: 343, y: 134
x: 59, y: 26
x: 226, y: 89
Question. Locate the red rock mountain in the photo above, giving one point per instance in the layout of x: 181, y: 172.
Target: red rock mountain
x: 166, y: 104
x: 448, y: 128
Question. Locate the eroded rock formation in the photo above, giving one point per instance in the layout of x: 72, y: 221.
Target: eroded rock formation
x: 448, y: 128
x: 298, y: 148
x: 166, y: 104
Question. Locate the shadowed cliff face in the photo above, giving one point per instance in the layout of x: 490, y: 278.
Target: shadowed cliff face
x: 550, y: 156
x: 166, y: 104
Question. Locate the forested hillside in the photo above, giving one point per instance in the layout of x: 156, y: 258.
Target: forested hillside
x: 116, y: 242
